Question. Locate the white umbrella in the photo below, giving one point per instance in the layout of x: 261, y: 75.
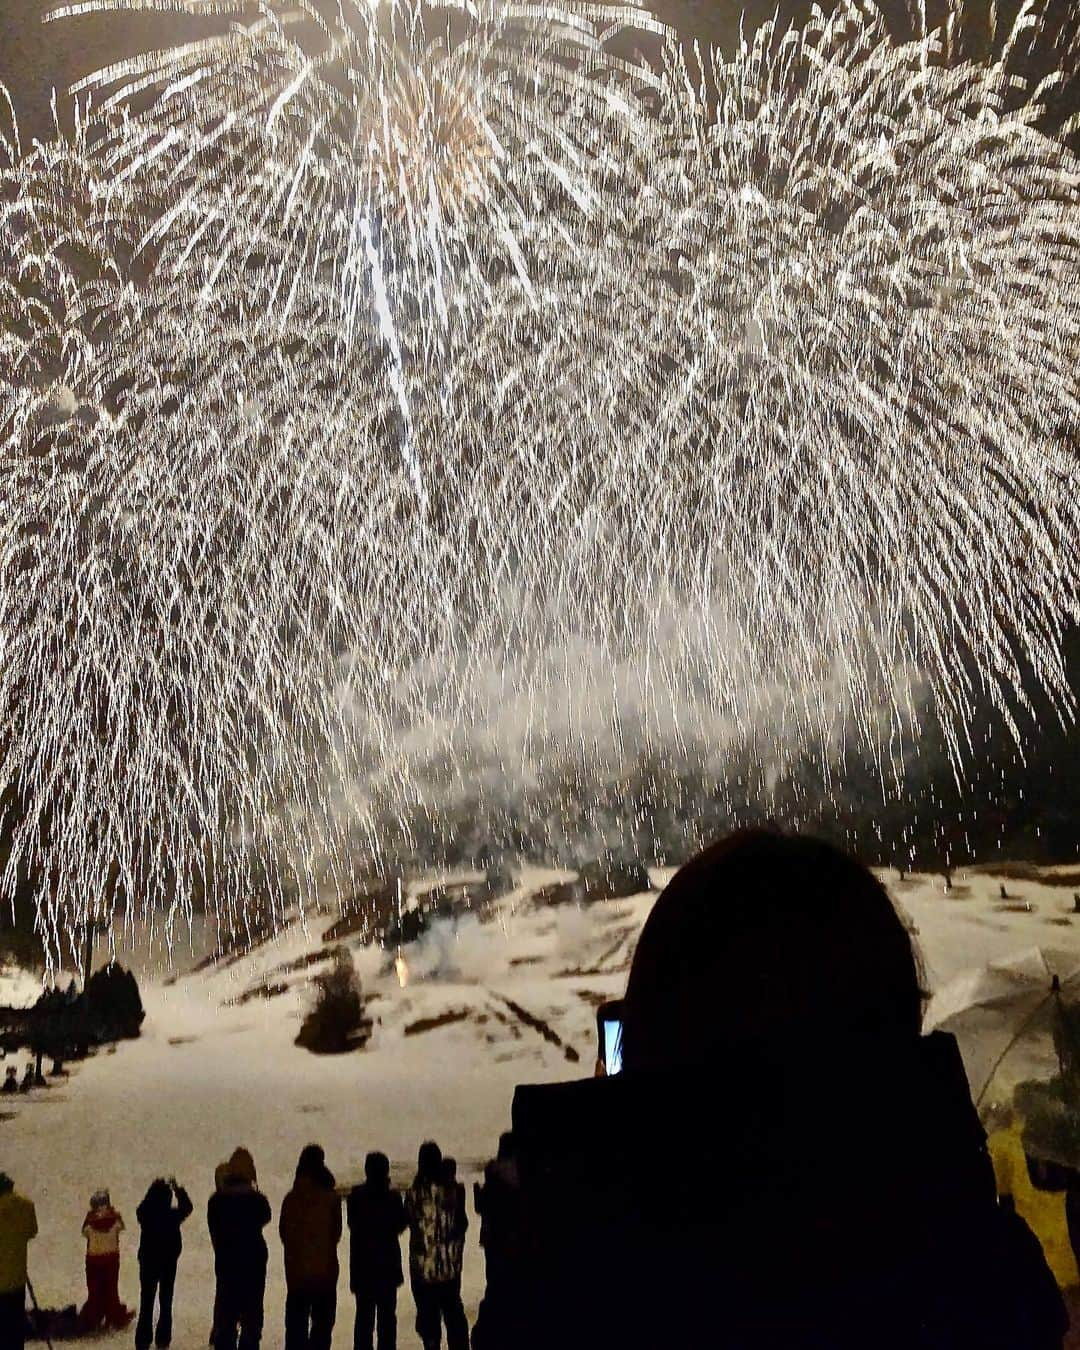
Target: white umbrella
x: 1002, y: 1016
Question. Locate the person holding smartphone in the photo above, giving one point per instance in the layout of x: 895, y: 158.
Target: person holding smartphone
x: 163, y: 1211
x: 784, y: 1159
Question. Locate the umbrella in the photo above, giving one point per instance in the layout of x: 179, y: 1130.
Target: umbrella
x: 1004, y: 1017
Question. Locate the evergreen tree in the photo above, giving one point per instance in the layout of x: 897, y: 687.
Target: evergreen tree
x: 337, y: 1021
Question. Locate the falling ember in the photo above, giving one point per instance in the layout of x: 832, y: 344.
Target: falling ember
x: 401, y: 970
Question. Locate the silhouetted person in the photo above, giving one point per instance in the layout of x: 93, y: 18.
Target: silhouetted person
x: 101, y: 1229
x: 11, y: 1079
x: 160, y: 1244
x: 1037, y: 1190
x: 455, y: 1192
x: 220, y: 1173
x: 376, y: 1221
x: 434, y: 1254
x: 27, y: 1078
x: 831, y: 1187
x: 236, y: 1217
x: 310, y: 1228
x: 498, y: 1203
x: 18, y: 1227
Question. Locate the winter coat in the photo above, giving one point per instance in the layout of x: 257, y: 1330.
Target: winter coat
x: 376, y: 1222
x: 160, y: 1242
x: 434, y: 1247
x: 839, y: 1201
x: 1042, y: 1210
x: 101, y: 1229
x: 18, y: 1225
x: 310, y: 1228
x: 456, y: 1198
x: 498, y: 1202
x: 236, y: 1216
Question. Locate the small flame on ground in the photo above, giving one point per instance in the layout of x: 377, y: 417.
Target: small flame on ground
x: 401, y: 970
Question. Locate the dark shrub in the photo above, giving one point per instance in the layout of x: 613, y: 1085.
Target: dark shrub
x: 337, y: 1021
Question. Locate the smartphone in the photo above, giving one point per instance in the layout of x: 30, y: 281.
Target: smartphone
x: 609, y: 1036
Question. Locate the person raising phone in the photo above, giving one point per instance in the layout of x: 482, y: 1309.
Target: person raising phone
x: 815, y: 1176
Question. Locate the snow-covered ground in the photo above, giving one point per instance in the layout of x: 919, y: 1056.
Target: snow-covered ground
x: 508, y: 1000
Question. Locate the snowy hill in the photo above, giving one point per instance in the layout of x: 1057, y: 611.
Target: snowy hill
x: 493, y: 999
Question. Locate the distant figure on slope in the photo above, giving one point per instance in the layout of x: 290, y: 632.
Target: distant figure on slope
x: 310, y: 1228
x: 11, y: 1079
x: 435, y: 1254
x: 376, y: 1221
x: 236, y: 1217
x: 27, y: 1078
x: 159, y: 1250
x: 101, y: 1229
x: 18, y: 1227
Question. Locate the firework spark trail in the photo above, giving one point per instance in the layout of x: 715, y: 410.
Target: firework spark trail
x: 417, y: 389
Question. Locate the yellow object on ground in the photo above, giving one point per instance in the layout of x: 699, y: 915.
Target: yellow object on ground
x: 1042, y: 1211
x: 18, y: 1224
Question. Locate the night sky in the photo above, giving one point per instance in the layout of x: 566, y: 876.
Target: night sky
x: 36, y: 58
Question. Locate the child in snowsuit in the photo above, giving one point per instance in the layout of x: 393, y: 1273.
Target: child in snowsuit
x: 376, y: 1223
x: 102, y: 1228
x: 159, y: 1250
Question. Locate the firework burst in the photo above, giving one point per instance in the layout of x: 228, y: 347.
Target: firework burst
x: 441, y: 382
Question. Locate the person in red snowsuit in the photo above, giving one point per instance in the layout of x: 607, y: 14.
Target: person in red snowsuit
x: 102, y: 1228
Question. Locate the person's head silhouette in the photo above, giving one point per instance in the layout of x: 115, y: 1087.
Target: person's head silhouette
x: 429, y: 1162
x: 311, y: 1163
x: 377, y: 1169
x: 764, y: 943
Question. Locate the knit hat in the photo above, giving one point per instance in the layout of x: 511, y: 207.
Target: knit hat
x: 241, y: 1166
x: 100, y: 1199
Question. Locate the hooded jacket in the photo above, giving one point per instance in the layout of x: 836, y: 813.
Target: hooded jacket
x: 236, y: 1216
x: 101, y: 1229
x: 838, y: 1204
x: 376, y: 1223
x: 434, y: 1249
x: 18, y: 1225
x: 310, y: 1229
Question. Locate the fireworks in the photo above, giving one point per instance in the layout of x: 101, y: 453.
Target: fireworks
x: 436, y: 394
